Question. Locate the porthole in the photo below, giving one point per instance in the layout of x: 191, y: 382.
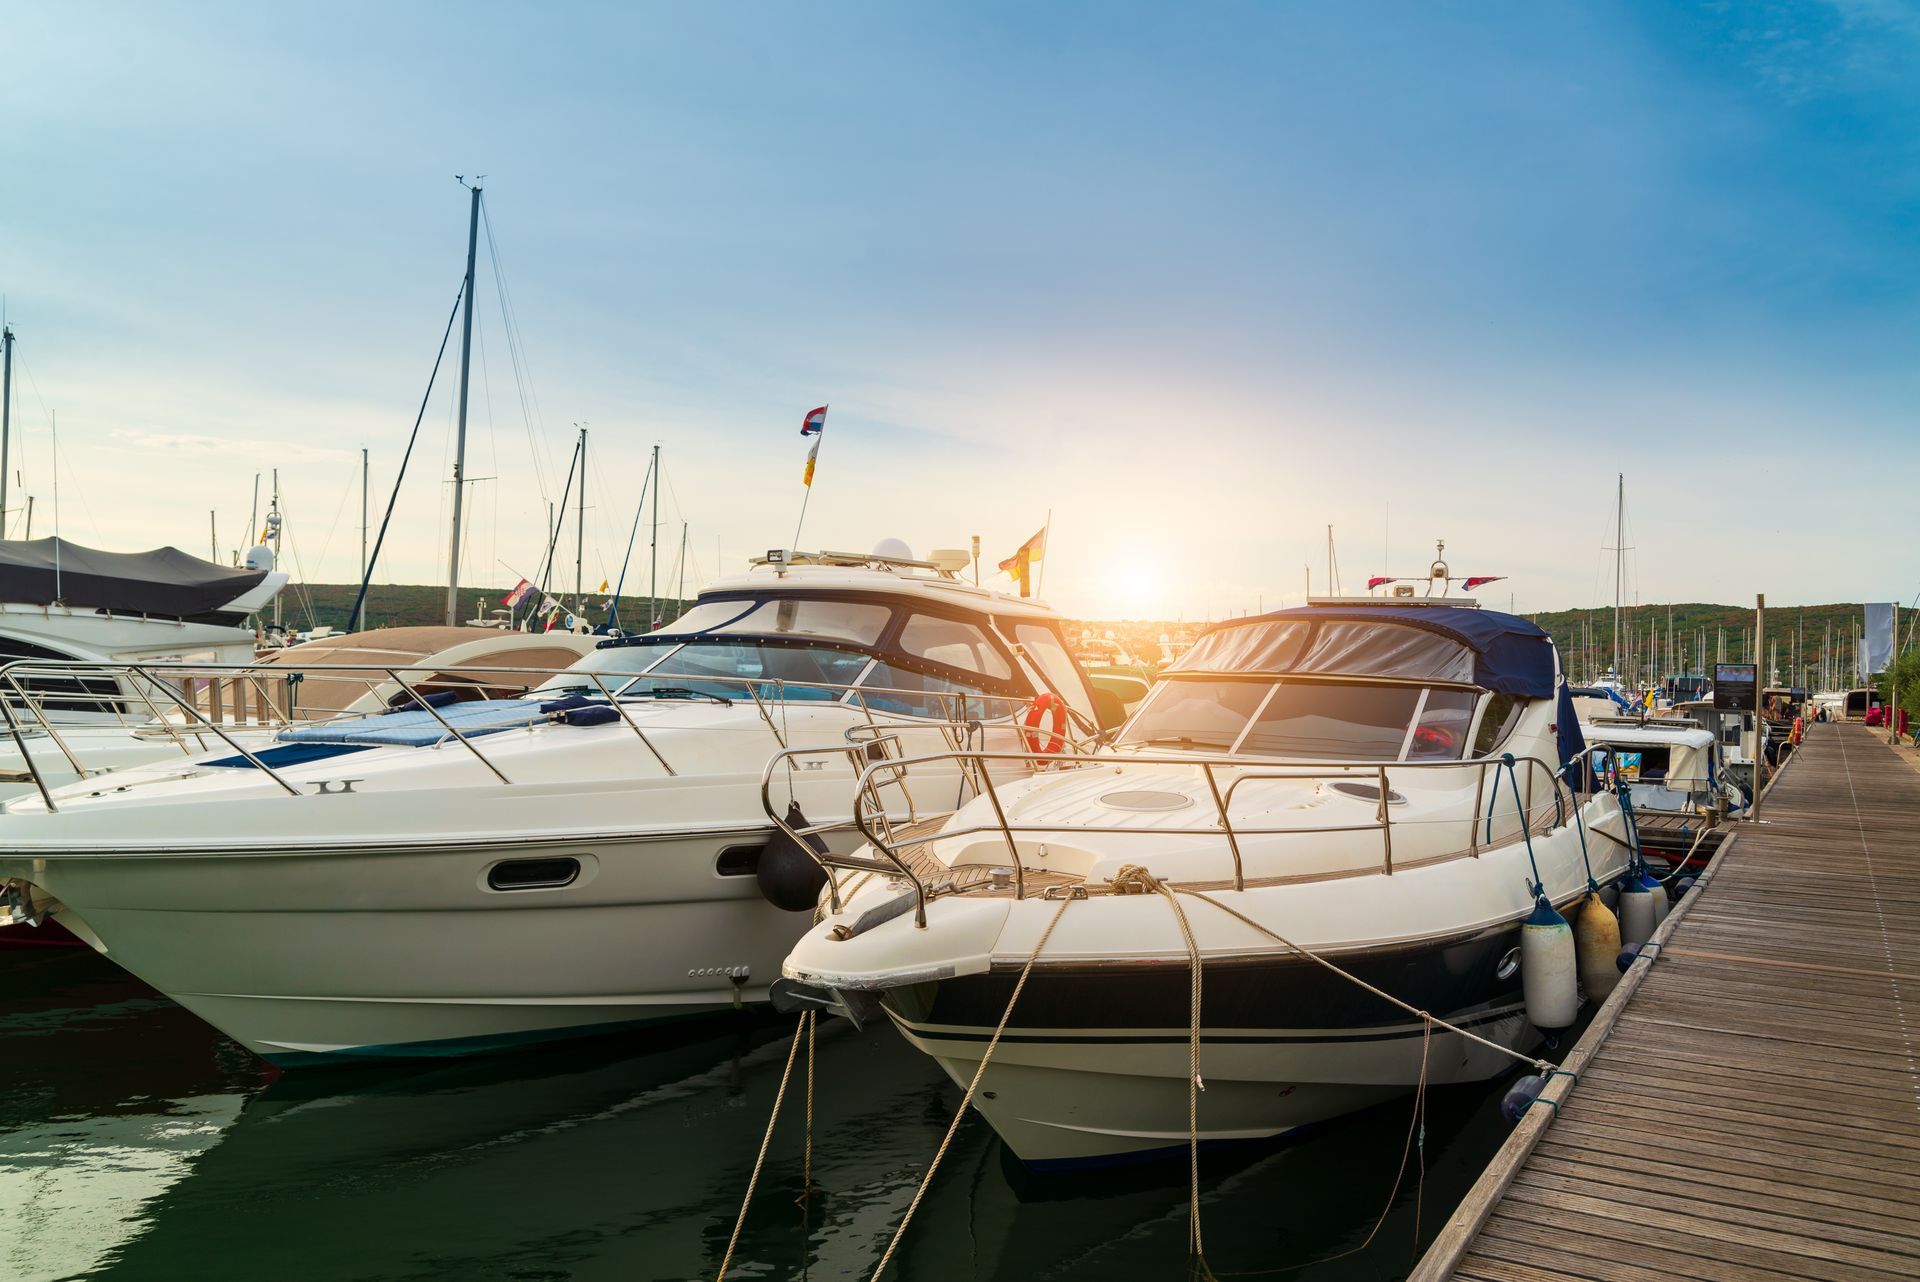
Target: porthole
x: 739, y: 861
x: 533, y: 874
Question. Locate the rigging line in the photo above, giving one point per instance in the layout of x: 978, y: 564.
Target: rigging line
x: 373, y: 558
x: 530, y: 412
x: 304, y: 589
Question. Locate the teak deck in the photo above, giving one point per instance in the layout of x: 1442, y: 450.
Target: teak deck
x: 1749, y: 1101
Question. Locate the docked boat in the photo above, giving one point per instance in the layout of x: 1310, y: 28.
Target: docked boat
x: 176, y: 717
x: 1380, y: 783
x: 1670, y: 768
x: 454, y: 874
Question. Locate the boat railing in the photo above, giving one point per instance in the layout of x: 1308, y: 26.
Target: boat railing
x: 203, y: 708
x: 1533, y: 783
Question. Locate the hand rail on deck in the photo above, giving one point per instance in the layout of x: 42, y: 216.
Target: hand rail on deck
x: 887, y: 856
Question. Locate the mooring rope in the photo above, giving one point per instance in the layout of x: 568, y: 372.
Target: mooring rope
x: 966, y: 1100
x: 779, y: 1096
x: 1352, y: 978
x: 1135, y: 876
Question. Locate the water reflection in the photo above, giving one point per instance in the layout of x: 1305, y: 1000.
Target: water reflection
x: 135, y: 1143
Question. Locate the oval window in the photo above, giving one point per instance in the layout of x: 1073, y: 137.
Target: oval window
x: 533, y: 874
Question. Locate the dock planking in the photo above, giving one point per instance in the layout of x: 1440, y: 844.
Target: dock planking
x: 1748, y: 1104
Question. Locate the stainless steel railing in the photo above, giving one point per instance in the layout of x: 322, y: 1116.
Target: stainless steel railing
x: 187, y: 704
x: 888, y: 857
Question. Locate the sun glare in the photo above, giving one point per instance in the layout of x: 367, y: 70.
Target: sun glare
x: 1135, y: 588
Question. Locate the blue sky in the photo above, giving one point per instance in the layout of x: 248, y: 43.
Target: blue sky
x: 1200, y: 280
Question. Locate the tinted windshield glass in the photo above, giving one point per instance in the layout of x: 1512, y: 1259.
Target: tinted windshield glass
x: 821, y: 666
x: 1194, y: 714
x: 1442, y: 732
x: 953, y: 644
x: 1044, y: 648
x: 805, y: 617
x: 890, y: 689
x: 1348, y: 722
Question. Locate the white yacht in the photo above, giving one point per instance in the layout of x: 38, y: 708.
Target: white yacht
x: 1377, y: 781
x: 445, y: 876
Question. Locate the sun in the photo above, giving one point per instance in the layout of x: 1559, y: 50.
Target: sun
x: 1135, y: 587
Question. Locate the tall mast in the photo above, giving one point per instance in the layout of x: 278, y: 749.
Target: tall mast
x: 460, y: 433
x: 6, y: 418
x: 580, y: 534
x: 653, y: 585
x: 1619, y: 551
x: 273, y: 520
x: 359, y: 621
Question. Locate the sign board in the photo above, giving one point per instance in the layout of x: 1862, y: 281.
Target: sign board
x: 1736, y: 687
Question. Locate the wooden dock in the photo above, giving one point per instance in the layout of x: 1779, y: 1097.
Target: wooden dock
x: 1748, y: 1105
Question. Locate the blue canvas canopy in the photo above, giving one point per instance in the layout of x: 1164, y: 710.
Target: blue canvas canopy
x: 1498, y: 652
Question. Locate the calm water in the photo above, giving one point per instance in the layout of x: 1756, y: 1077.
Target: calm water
x: 137, y: 1143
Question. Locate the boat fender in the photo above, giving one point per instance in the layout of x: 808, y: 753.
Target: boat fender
x: 790, y: 876
x: 1521, y: 1095
x: 1624, y: 962
x: 1681, y: 887
x: 1637, y: 914
x: 599, y: 715
x: 1596, y: 941
x: 1661, y: 904
x: 1548, y: 968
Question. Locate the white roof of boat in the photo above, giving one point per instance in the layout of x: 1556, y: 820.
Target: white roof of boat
x: 850, y: 572
x: 1608, y: 730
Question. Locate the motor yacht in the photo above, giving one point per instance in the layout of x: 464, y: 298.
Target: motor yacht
x: 176, y: 716
x: 1380, y: 783
x: 455, y: 874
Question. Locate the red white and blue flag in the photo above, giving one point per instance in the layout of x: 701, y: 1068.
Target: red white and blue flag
x: 521, y: 592
x: 1481, y: 580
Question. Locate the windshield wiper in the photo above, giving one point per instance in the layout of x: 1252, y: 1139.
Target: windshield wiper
x: 679, y: 692
x: 1177, y: 740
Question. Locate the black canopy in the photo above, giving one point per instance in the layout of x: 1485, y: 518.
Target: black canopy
x: 163, y: 581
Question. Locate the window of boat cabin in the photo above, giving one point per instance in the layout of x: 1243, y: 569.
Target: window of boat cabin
x: 889, y: 688
x: 1334, y: 720
x: 823, y: 618
x: 1195, y: 713
x: 805, y: 672
x: 61, y: 694
x: 1049, y: 655
x: 1440, y: 731
x: 1497, y: 722
x: 953, y: 643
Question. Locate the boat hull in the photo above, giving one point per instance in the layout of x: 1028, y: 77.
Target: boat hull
x: 308, y: 956
x: 1093, y: 1066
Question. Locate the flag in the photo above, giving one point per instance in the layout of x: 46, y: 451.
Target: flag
x: 602, y: 587
x: 521, y: 591
x: 814, y: 425
x: 1481, y: 579
x: 1020, y: 565
x: 1876, y: 636
x: 1379, y: 581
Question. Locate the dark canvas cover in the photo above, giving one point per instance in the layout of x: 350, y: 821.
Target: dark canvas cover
x: 164, y: 581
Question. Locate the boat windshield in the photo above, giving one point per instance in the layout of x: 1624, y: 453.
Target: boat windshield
x: 1314, y: 720
x: 732, y: 669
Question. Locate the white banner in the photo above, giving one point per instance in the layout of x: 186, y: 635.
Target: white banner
x: 1877, y: 637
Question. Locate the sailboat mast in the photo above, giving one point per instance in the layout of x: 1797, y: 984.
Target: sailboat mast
x: 6, y: 416
x: 359, y: 621
x: 653, y: 585
x: 580, y: 533
x: 1619, y: 551
x: 273, y: 519
x: 460, y: 432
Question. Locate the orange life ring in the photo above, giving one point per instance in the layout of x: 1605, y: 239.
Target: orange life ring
x: 1042, y: 705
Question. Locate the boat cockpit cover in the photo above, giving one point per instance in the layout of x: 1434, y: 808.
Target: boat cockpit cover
x: 1497, y: 652
x: 163, y: 581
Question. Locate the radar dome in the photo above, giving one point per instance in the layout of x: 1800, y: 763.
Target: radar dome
x: 895, y: 549
x: 260, y: 558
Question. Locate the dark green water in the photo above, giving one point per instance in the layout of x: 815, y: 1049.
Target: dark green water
x: 137, y: 1143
